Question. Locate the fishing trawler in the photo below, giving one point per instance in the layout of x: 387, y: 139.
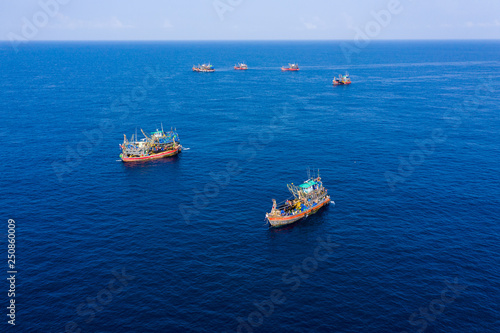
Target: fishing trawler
x: 241, y: 66
x: 158, y: 145
x: 291, y: 67
x: 342, y: 80
x: 308, y: 198
x: 204, y: 68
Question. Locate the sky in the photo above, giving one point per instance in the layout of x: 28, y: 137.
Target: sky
x: 248, y: 19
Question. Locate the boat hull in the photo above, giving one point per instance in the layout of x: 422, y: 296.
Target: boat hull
x: 199, y: 70
x: 152, y: 157
x: 341, y: 83
x: 240, y: 68
x: 290, y: 69
x: 279, y: 221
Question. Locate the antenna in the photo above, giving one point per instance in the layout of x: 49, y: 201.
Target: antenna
x: 162, y: 127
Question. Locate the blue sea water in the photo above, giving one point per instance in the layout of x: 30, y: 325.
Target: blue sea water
x: 409, y: 153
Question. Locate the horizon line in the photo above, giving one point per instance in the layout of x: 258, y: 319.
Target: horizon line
x: 249, y: 40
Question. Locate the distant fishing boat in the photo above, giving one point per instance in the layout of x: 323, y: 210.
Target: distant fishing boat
x: 309, y: 197
x: 241, y: 67
x: 160, y: 144
x: 342, y: 80
x: 291, y: 67
x: 204, y: 68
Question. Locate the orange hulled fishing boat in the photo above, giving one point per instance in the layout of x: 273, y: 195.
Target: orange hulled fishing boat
x: 159, y: 145
x: 342, y: 80
x: 241, y: 66
x: 309, y: 197
x: 291, y: 67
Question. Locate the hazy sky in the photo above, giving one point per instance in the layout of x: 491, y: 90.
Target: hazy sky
x: 247, y: 19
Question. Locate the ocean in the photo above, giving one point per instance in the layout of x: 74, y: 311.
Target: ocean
x: 409, y: 153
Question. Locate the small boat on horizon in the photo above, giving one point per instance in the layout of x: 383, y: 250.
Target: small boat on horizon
x: 342, y: 80
x: 204, y: 68
x: 291, y: 67
x: 160, y: 144
x: 241, y: 66
x: 309, y: 197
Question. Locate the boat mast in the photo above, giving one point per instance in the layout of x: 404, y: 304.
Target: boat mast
x: 147, y: 137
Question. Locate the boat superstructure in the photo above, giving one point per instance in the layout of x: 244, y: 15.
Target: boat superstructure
x: 308, y: 198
